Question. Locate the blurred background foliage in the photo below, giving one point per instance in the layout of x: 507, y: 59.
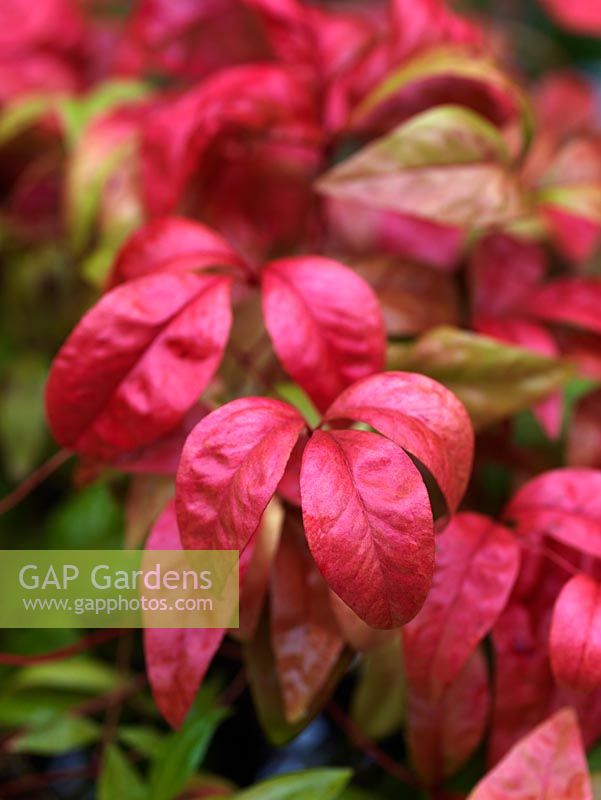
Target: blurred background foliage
x: 52, y: 711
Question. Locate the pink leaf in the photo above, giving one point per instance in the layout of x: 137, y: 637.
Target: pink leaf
x: 229, y: 470
x: 420, y: 415
x: 576, y: 635
x: 476, y: 566
x: 368, y: 524
x: 443, y: 735
x: 137, y: 361
x: 564, y: 504
x: 325, y: 324
x: 549, y: 763
x: 177, y: 659
x: 583, y: 16
x: 172, y: 245
x: 304, y: 635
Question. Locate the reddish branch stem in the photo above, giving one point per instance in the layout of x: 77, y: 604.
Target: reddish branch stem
x: 363, y: 742
x: 34, y: 480
x: 81, y: 645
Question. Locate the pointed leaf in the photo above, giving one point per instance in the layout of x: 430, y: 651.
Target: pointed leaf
x: 443, y: 735
x: 477, y: 564
x: 447, y: 165
x: 177, y: 659
x: 575, y: 643
x: 119, y: 778
x: 172, y: 244
x: 571, y: 301
x: 378, y: 705
x: 304, y: 635
x: 420, y: 415
x: 230, y: 468
x: 564, y: 504
x: 368, y: 523
x: 310, y: 784
x: 137, y: 361
x: 492, y: 379
x: 325, y: 324
x: 549, y: 763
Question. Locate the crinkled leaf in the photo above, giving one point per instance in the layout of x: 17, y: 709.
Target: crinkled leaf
x: 177, y: 659
x: 137, y: 362
x: 575, y: 643
x: 368, y: 523
x: 421, y: 416
x: 447, y: 165
x: 477, y: 564
x: 230, y: 468
x: 325, y: 324
x: 172, y: 244
x: 549, y: 763
x: 493, y: 380
x: 304, y: 635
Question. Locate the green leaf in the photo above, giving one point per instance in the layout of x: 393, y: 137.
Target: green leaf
x: 449, y: 62
x: 119, y: 779
x: 22, y: 113
x: 494, y: 380
x: 447, y: 165
x: 34, y: 708
x: 79, y: 674
x: 182, y: 752
x: 146, y: 741
x: 79, y: 112
x: 23, y: 431
x: 378, y: 705
x: 90, y: 519
x: 57, y: 736
x: 293, y: 394
x: 312, y: 784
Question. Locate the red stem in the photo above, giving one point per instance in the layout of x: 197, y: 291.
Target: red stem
x: 363, y: 742
x: 34, y: 480
x: 86, y: 643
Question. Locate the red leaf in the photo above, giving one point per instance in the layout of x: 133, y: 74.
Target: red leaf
x: 177, y: 659
x: 420, y: 415
x: 564, y: 504
x: 229, y: 470
x: 137, y: 361
x: 356, y: 633
x: 477, y: 563
x: 255, y: 576
x: 576, y: 635
x: 571, y: 301
x: 305, y: 638
x: 368, y: 524
x: 583, y: 16
x: 523, y: 682
x: 549, y: 763
x: 504, y: 269
x: 172, y: 245
x: 325, y: 324
x: 584, y: 434
x: 443, y: 735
